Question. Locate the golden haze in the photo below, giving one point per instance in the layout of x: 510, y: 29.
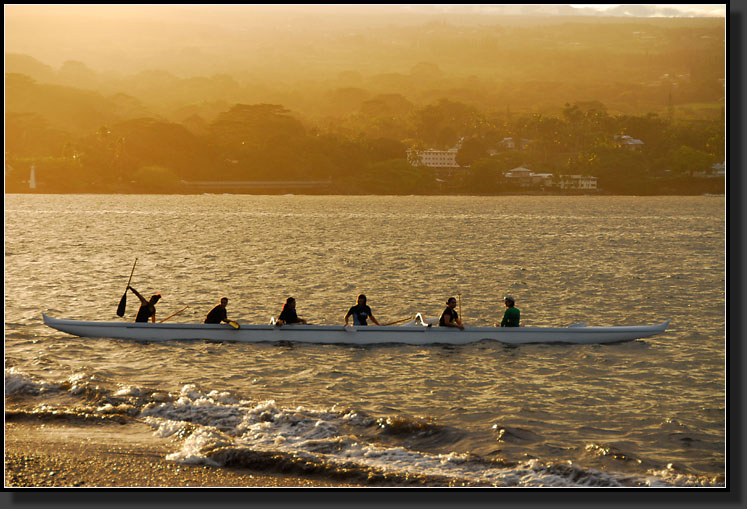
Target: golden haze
x: 129, y: 98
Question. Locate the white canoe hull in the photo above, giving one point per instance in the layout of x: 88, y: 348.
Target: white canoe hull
x: 361, y: 335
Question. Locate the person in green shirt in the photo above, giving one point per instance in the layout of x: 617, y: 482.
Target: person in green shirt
x: 512, y: 315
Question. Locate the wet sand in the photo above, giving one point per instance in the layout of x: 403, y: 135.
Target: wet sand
x: 118, y: 455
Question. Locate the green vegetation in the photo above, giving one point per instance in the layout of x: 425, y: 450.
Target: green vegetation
x: 359, y: 99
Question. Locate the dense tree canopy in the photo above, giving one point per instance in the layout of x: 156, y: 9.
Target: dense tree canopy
x: 553, y: 96
x: 267, y: 142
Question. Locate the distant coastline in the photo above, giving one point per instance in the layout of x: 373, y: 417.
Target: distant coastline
x: 307, y: 192
x: 692, y: 186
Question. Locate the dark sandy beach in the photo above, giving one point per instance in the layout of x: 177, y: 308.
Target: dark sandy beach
x: 53, y: 454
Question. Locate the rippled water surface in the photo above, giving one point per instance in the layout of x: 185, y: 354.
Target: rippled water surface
x: 647, y: 412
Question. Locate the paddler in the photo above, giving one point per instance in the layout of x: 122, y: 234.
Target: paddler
x: 218, y: 314
x: 288, y: 314
x: 147, y: 307
x: 512, y: 314
x: 450, y: 317
x: 360, y: 313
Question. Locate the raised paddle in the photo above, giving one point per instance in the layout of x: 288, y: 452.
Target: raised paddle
x: 123, y: 301
x: 459, y: 299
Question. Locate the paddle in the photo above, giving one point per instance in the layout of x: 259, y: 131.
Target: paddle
x: 459, y: 300
x: 123, y: 301
x: 233, y: 324
x: 460, y: 320
x: 174, y: 314
x: 396, y: 322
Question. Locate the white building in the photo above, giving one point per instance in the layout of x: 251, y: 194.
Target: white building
x: 512, y: 144
x: 585, y: 182
x: 719, y: 169
x: 521, y: 175
x: 629, y: 142
x: 542, y: 179
x: 527, y: 178
x: 433, y: 158
x: 715, y: 171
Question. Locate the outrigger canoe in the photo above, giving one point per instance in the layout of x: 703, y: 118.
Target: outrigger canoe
x: 415, y: 332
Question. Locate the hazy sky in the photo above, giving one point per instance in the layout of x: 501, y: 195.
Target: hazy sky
x: 644, y: 10
x: 128, y: 36
x: 655, y: 9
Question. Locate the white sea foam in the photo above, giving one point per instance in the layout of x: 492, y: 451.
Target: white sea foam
x: 128, y: 390
x: 18, y: 382
x: 122, y: 408
x: 320, y: 434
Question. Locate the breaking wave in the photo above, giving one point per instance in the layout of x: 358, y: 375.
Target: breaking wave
x: 221, y: 429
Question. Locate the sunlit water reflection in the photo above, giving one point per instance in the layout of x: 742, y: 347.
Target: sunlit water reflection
x: 627, y: 409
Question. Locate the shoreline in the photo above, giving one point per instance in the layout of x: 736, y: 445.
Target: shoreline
x: 511, y: 194
x: 55, y: 454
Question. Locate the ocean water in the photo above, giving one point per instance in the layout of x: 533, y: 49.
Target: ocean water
x: 640, y: 413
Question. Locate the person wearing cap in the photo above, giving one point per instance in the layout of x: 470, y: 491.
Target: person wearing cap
x: 147, y: 307
x: 512, y: 315
x: 450, y: 317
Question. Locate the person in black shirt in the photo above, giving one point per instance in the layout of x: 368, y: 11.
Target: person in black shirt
x: 360, y: 313
x: 450, y: 318
x: 288, y: 314
x: 147, y: 307
x: 218, y: 314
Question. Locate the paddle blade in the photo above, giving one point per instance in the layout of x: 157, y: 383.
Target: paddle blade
x: 122, y: 305
x: 233, y: 324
